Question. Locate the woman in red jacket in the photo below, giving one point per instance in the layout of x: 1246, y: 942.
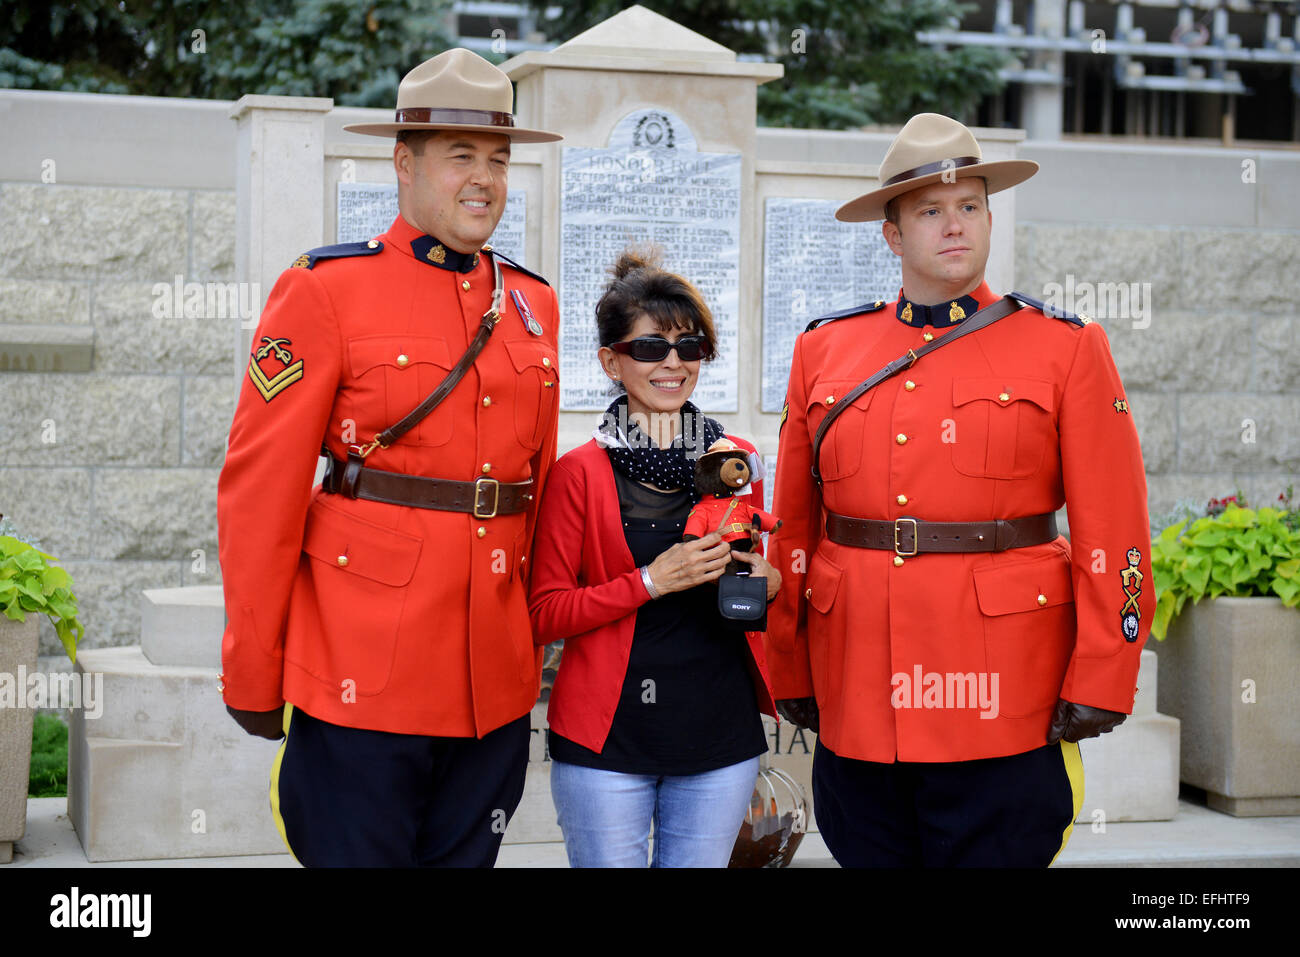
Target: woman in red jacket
x: 655, y: 710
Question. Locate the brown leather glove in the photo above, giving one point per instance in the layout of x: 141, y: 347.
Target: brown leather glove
x: 263, y: 724
x: 800, y: 712
x: 1074, y: 722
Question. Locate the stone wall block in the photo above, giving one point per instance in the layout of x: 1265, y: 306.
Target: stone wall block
x: 86, y: 419
x: 1277, y: 354
x: 214, y: 236
x: 51, y: 506
x: 1246, y: 270
x: 209, y: 408
x: 155, y: 513
x: 1155, y: 417
x: 1244, y: 433
x: 1096, y: 255
x: 44, y: 302
x: 142, y: 330
x: 1182, y: 351
x: 84, y: 232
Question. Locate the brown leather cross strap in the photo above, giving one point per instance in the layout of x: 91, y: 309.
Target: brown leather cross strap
x: 911, y: 536
x: 985, y: 317
x: 485, y: 498
x: 490, y: 318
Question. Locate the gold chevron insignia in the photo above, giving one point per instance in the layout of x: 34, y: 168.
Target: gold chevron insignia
x: 273, y: 386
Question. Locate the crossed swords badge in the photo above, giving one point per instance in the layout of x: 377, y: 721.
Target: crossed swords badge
x: 271, y: 386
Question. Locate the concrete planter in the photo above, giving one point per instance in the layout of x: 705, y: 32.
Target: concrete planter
x: 1228, y: 670
x: 18, y: 644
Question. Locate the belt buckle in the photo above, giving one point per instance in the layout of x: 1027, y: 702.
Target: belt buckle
x: 915, y: 541
x: 496, y: 496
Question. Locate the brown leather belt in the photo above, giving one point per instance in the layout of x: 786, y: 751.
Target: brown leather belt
x: 911, y: 536
x: 484, y: 498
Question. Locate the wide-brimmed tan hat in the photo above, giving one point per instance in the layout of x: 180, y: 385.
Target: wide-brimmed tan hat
x: 456, y: 90
x: 926, y: 149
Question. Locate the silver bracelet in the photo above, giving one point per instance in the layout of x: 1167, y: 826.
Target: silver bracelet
x: 649, y: 585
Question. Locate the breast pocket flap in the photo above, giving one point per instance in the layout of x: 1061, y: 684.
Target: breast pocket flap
x: 398, y: 352
x: 1004, y: 392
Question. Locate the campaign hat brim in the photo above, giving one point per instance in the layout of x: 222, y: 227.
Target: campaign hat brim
x: 517, y: 134
x: 1000, y: 175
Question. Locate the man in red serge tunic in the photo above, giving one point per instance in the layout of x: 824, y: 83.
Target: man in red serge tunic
x: 393, y: 621
x: 950, y: 667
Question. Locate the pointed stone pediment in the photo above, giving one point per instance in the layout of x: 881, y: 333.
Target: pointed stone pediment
x: 638, y: 32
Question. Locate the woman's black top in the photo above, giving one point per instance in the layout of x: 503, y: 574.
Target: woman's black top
x: 687, y: 704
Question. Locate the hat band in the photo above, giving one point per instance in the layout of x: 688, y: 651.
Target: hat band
x: 928, y: 168
x: 465, y: 117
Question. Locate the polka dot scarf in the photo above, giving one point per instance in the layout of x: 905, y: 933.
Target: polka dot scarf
x: 635, y: 454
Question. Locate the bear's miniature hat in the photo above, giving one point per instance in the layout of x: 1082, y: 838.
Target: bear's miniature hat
x: 931, y: 147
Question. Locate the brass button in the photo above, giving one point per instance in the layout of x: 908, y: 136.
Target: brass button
x: 909, y: 385
x: 487, y: 248
x: 546, y: 362
x: 487, y: 400
x: 465, y: 285
x: 927, y: 336
x: 1004, y: 397
x: 343, y: 561
x: 402, y: 360
x: 830, y: 400
x: 1042, y: 599
x: 808, y: 593
x: 372, y: 244
x: 487, y: 467
x: 901, y: 500
x: 481, y: 531
x: 901, y: 439
x: 898, y: 560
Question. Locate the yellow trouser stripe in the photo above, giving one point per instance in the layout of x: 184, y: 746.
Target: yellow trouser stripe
x: 275, y: 781
x: 1074, y: 769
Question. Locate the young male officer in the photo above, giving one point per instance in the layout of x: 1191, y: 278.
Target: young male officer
x: 948, y: 643
x: 379, y: 620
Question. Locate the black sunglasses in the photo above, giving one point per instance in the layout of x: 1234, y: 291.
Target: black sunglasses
x: 655, y: 348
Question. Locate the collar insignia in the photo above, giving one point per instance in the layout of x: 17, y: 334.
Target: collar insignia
x: 941, y: 315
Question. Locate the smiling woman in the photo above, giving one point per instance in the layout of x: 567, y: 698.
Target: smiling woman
x: 655, y: 710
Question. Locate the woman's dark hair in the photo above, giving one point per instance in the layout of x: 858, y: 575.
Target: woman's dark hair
x: 639, y: 286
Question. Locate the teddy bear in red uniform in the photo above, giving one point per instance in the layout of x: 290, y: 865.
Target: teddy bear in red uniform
x: 720, y: 473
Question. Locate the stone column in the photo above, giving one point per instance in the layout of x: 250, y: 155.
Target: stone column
x: 279, y: 194
x: 638, y: 59
x: 1044, y: 103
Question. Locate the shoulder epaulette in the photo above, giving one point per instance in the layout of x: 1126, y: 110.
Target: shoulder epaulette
x: 311, y: 257
x: 845, y: 313
x: 1051, y: 311
x: 506, y: 259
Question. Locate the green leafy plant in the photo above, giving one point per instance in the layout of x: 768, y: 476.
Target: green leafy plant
x: 49, y: 770
x: 1238, y: 553
x: 29, y: 583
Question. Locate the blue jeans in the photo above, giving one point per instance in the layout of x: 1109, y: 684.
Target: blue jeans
x: 606, y: 815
